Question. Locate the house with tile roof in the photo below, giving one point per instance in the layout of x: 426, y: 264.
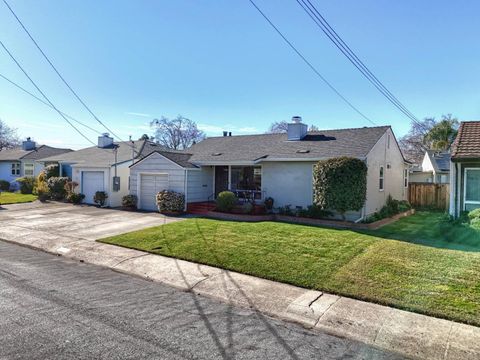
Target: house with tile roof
x: 435, y: 168
x: 465, y: 169
x: 22, y: 160
x: 273, y: 165
x: 104, y: 167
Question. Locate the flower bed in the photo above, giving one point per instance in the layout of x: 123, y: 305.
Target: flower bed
x: 338, y: 224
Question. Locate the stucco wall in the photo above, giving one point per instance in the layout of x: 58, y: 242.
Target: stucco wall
x: 157, y: 164
x: 115, y: 197
x: 382, y: 155
x: 421, y: 177
x: 199, y: 184
x: 288, y: 183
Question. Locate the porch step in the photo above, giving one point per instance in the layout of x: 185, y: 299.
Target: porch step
x: 200, y: 208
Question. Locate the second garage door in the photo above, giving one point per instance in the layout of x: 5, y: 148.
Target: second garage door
x: 150, y: 185
x: 92, y: 181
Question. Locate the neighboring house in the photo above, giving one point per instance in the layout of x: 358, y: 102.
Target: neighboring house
x: 21, y: 161
x: 465, y: 169
x: 435, y: 168
x: 104, y: 167
x: 273, y: 165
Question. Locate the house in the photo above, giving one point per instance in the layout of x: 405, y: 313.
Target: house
x: 104, y: 167
x: 435, y: 168
x: 465, y: 169
x: 273, y: 165
x: 21, y: 161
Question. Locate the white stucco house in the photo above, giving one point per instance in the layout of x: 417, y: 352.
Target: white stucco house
x: 104, y: 167
x: 435, y: 168
x: 272, y: 165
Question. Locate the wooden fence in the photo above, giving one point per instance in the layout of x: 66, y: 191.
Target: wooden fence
x: 435, y: 196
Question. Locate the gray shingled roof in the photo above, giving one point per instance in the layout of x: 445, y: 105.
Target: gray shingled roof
x: 105, y: 157
x: 39, y: 152
x: 316, y: 145
x: 177, y: 156
x: 440, y: 160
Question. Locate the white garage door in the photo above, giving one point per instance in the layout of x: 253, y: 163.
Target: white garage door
x: 150, y: 185
x: 92, y: 181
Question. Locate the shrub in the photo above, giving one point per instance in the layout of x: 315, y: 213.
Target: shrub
x: 100, y: 198
x: 268, y: 203
x: 475, y: 223
x: 247, y: 208
x: 56, y: 187
x: 474, y: 214
x: 75, y: 198
x: 392, y: 207
x: 130, y: 201
x: 226, y: 200
x: 42, y: 187
x: 70, y: 187
x: 340, y: 184
x: 4, y: 185
x: 170, y: 201
x: 51, y: 171
x: 286, y: 210
x: 27, y: 184
x: 316, y: 212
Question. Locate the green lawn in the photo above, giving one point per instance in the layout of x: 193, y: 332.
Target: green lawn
x: 434, y: 280
x: 15, y: 198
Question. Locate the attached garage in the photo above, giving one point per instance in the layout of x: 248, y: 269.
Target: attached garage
x: 92, y: 181
x: 149, y: 186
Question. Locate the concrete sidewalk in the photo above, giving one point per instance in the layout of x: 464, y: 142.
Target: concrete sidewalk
x: 410, y: 334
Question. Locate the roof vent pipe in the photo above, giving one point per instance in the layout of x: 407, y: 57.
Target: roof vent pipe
x: 225, y: 133
x: 229, y: 133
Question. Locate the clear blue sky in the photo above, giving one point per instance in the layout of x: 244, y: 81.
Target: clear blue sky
x: 220, y: 64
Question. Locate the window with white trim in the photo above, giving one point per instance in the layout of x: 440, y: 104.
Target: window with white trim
x: 28, y: 169
x: 472, y: 189
x: 381, y: 178
x: 16, y: 169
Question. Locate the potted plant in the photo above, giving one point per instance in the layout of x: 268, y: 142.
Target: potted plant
x: 100, y: 198
x: 171, y: 202
x: 129, y: 202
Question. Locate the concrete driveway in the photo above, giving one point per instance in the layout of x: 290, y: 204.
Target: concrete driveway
x: 78, y: 222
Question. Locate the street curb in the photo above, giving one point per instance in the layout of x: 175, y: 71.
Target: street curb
x: 409, y: 334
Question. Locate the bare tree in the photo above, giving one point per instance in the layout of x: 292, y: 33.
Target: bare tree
x: 413, y: 144
x: 179, y: 133
x: 8, y: 136
x: 313, y: 128
x: 278, y: 127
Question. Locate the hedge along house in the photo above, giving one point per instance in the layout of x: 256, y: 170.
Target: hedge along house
x: 465, y: 169
x: 22, y: 160
x: 274, y: 165
x: 104, y: 167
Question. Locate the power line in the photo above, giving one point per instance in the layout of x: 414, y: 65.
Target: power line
x: 309, y: 64
x: 327, y: 29
x: 47, y: 104
x: 58, y: 73
x: 43, y: 94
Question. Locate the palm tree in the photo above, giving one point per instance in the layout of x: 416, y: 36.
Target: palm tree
x: 442, y: 135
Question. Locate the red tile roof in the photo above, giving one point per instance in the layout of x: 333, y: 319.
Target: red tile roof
x: 467, y: 142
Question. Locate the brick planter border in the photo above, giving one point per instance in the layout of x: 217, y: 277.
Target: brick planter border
x: 337, y: 224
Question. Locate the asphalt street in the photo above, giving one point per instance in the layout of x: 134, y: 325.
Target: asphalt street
x: 55, y: 308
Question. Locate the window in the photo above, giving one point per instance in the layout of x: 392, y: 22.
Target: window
x: 381, y: 178
x: 472, y: 189
x: 28, y: 169
x: 405, y: 177
x: 247, y: 178
x: 16, y: 169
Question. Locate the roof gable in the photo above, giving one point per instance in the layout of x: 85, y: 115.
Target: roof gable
x: 17, y: 154
x: 179, y: 158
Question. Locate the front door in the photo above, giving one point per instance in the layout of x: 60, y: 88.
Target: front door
x: 221, y: 179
